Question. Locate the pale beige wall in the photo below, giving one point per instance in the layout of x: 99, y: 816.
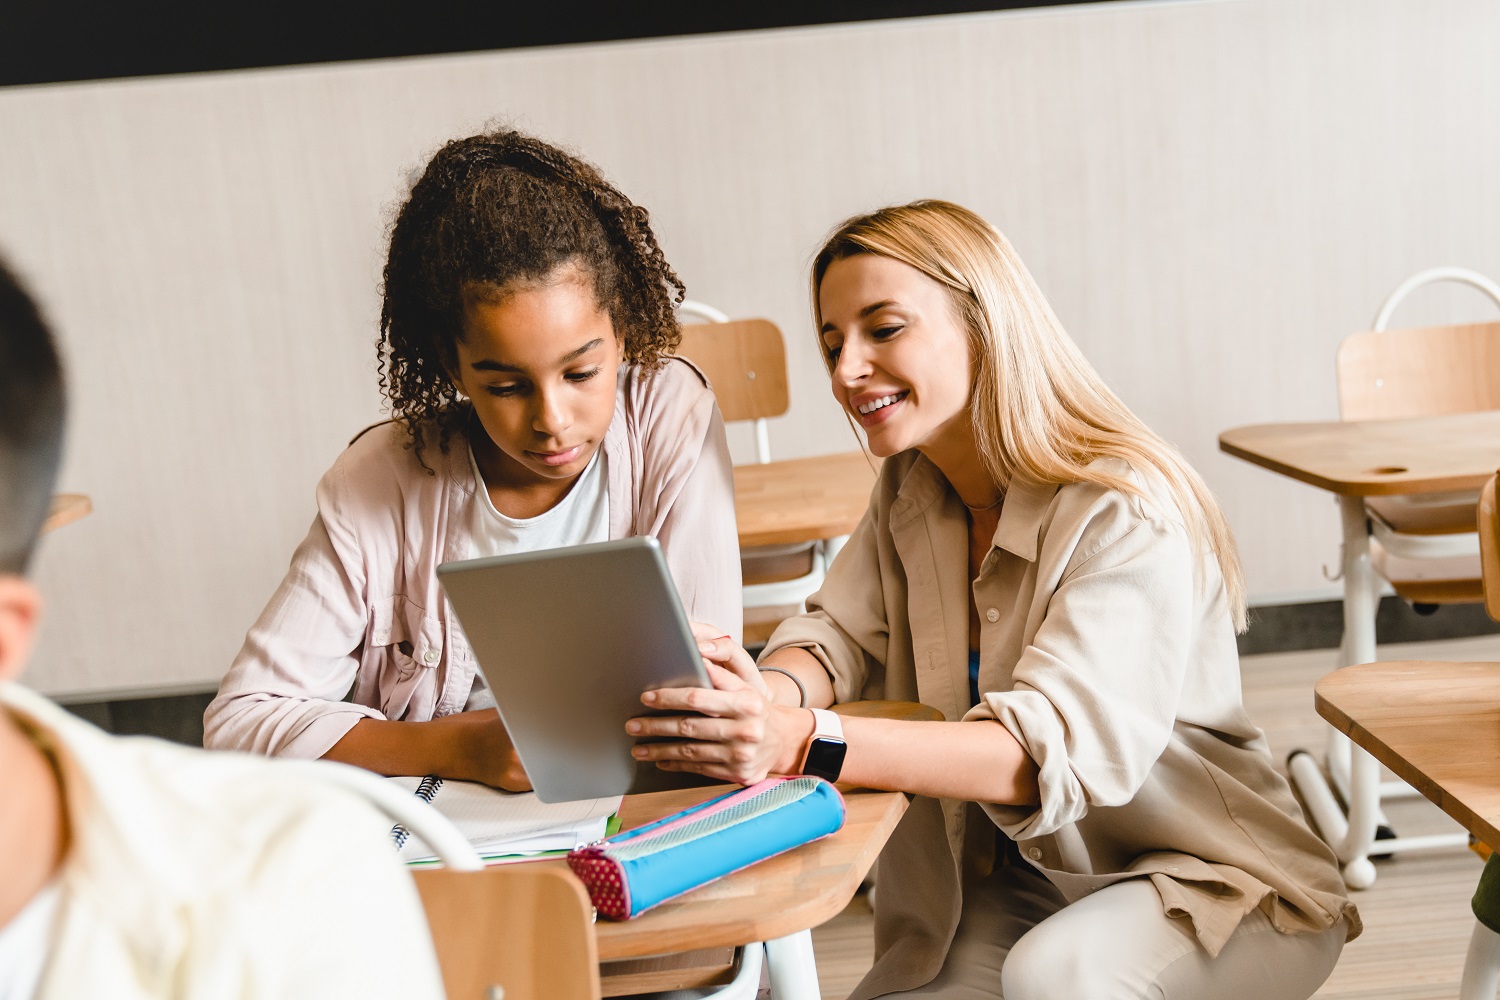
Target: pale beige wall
x: 1211, y: 193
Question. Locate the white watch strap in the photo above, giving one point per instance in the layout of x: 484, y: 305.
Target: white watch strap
x: 826, y: 723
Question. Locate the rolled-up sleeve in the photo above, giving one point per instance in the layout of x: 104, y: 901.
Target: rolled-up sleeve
x: 284, y: 694
x: 1095, y: 695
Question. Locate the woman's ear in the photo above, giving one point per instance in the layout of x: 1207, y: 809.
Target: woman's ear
x: 20, y: 611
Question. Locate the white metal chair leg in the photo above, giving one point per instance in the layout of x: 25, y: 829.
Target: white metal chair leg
x: 1353, y: 837
x: 1481, y: 965
x: 794, y: 970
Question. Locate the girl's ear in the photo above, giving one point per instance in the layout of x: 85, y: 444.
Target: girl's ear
x: 20, y: 610
x: 458, y: 387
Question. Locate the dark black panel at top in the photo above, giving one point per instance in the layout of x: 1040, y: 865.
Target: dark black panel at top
x: 50, y: 41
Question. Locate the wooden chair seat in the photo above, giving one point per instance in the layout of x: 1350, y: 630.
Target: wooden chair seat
x: 783, y: 563
x: 1434, y: 514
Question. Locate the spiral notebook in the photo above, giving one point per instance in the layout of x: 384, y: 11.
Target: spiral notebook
x: 504, y: 825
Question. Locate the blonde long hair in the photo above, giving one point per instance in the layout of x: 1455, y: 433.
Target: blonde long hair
x: 1040, y: 410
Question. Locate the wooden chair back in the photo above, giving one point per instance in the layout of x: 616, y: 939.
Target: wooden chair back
x: 1489, y: 547
x: 1421, y: 372
x: 745, y: 360
x: 527, y: 929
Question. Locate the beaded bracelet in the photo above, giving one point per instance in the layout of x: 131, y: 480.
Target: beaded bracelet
x: 801, y: 690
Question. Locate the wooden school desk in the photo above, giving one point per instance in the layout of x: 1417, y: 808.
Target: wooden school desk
x: 777, y: 901
x: 1435, y: 724
x: 1356, y: 460
x: 801, y: 499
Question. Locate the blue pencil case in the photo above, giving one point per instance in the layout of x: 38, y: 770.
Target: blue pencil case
x: 635, y: 870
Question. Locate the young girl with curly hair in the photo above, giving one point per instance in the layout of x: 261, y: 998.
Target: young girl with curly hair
x: 526, y: 350
x: 1099, y: 818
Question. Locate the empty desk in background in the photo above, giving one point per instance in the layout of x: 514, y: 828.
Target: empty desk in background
x: 802, y: 499
x: 1356, y: 460
x: 792, y: 503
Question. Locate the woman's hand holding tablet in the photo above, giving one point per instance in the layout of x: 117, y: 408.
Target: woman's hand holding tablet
x: 734, y: 731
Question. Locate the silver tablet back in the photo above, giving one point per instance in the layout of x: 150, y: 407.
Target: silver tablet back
x: 567, y: 640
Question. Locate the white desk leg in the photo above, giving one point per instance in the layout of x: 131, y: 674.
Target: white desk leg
x: 794, y: 971
x: 1351, y: 839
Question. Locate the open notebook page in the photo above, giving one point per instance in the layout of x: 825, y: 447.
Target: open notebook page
x: 505, y: 823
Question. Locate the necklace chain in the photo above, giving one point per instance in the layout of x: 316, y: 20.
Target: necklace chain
x: 998, y: 500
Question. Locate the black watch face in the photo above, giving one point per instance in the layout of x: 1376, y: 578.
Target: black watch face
x: 825, y: 758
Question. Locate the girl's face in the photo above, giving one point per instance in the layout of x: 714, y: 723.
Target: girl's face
x: 900, y: 355
x: 539, y: 363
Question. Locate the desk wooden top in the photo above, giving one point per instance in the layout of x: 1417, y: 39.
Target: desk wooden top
x: 66, y: 508
x: 782, y: 895
x: 1376, y: 457
x: 801, y: 499
x: 1436, y: 724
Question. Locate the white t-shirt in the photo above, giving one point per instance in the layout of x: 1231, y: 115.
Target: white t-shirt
x: 581, y: 516
x: 26, y: 942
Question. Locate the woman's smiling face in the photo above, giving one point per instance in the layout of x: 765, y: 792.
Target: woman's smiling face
x: 899, y: 355
x: 540, y: 363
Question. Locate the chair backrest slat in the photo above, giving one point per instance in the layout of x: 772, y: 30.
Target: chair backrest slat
x: 745, y: 360
x: 1421, y: 372
x: 525, y: 928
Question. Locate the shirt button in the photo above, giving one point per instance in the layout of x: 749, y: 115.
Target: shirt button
x: 431, y: 656
x: 992, y: 615
x: 1034, y: 853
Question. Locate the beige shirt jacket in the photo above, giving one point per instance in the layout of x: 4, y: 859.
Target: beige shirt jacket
x: 1107, y: 650
x: 360, y: 627
x: 199, y: 876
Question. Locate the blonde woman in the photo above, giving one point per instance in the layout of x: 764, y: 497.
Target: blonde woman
x: 1104, y: 821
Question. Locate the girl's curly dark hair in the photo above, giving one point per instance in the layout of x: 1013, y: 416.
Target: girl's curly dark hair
x: 490, y: 210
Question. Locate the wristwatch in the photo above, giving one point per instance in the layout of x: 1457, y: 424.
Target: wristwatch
x: 823, y: 756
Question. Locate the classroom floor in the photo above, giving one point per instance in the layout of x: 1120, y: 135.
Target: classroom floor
x: 1417, y: 918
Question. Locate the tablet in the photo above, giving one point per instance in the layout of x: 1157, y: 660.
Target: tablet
x: 567, y: 640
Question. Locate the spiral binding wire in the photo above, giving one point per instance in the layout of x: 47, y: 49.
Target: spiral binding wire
x: 426, y: 791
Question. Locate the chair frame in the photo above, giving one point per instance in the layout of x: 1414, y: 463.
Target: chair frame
x: 1352, y: 772
x: 820, y: 553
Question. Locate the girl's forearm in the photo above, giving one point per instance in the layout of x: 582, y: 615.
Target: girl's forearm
x: 468, y: 746
x: 387, y: 747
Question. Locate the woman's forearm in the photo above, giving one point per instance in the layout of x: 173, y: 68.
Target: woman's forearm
x: 977, y: 761
x: 809, y: 671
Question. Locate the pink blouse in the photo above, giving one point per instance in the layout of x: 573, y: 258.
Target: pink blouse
x: 360, y: 628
